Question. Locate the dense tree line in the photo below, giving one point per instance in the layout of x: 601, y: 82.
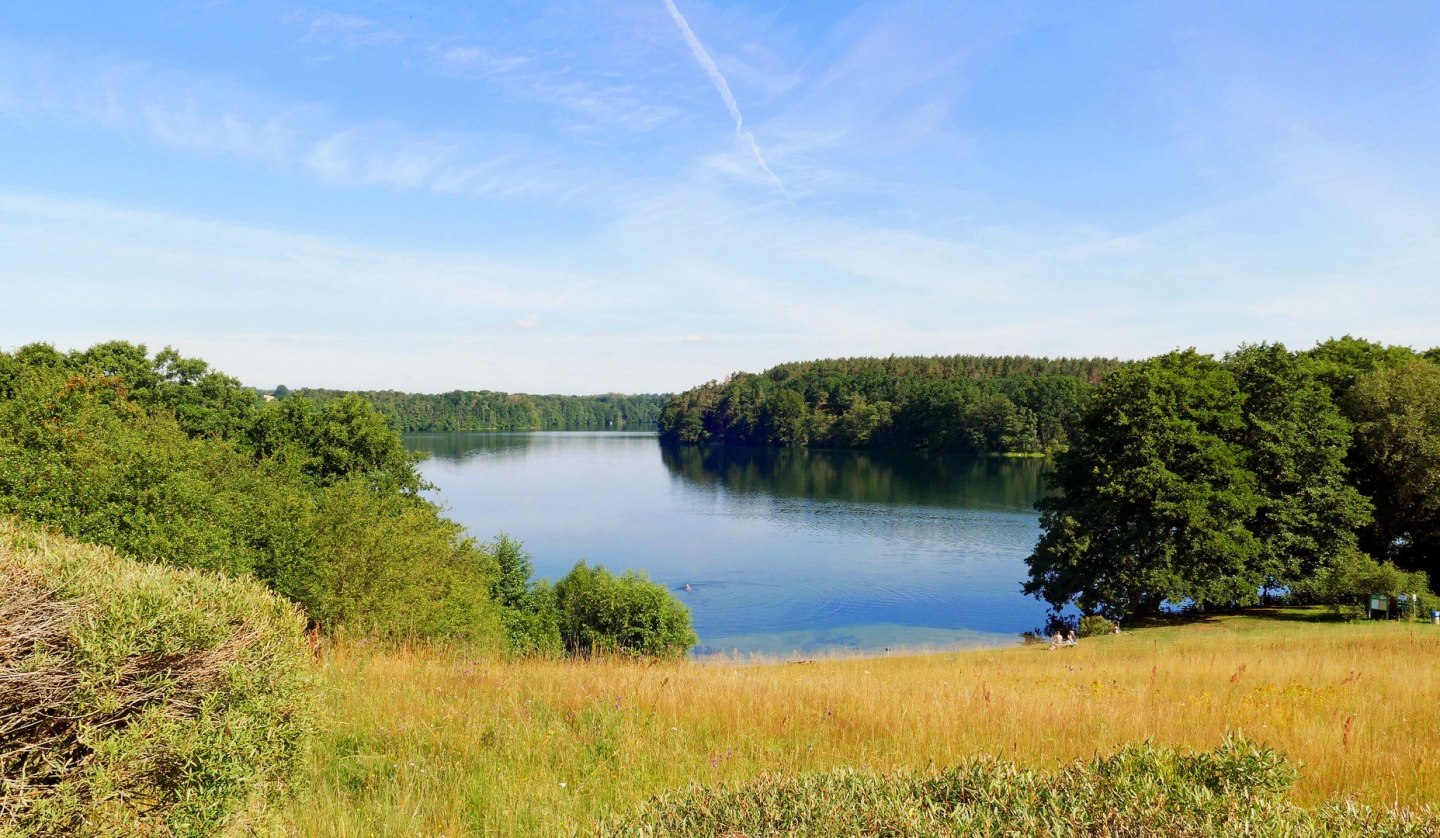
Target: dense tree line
x: 484, y: 410
x: 1192, y: 479
x: 171, y: 462
x: 963, y: 403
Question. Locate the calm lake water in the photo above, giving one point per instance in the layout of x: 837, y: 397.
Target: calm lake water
x: 785, y: 551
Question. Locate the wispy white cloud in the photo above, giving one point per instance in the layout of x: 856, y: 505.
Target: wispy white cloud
x: 723, y: 88
x: 474, y: 61
x: 349, y: 31
x: 597, y: 102
x: 78, y: 272
x: 212, y: 116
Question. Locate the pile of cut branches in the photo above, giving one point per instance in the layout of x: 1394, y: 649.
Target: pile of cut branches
x: 38, y: 679
x: 137, y: 699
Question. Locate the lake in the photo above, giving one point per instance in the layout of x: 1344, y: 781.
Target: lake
x: 785, y: 551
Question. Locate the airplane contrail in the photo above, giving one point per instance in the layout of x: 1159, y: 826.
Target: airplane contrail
x: 723, y: 88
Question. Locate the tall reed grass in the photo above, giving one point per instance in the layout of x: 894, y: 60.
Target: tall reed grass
x: 424, y: 742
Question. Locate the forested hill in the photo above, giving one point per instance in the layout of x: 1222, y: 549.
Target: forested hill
x: 964, y: 403
x: 484, y: 410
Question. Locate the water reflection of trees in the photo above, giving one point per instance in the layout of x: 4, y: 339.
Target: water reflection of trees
x: 460, y: 447
x: 901, y: 477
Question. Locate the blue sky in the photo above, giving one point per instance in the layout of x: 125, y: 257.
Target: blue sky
x: 641, y: 196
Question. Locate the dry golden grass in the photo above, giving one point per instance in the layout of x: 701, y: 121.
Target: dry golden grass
x: 424, y: 743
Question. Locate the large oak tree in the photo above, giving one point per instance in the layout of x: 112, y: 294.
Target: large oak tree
x: 1155, y: 497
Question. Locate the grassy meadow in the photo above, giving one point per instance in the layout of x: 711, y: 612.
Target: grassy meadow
x: 420, y: 742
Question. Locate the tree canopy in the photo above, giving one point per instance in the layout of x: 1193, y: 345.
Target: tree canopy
x: 1154, y: 494
x: 485, y: 410
x: 962, y: 403
x: 1189, y: 480
x: 1396, y: 460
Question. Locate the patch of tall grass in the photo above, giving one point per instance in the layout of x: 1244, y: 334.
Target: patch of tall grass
x: 430, y: 742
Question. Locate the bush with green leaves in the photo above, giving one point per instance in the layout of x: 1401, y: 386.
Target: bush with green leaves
x: 1094, y: 625
x: 1143, y: 790
x: 391, y: 567
x: 137, y: 699
x: 601, y: 613
x: 528, y: 608
x: 1354, y: 576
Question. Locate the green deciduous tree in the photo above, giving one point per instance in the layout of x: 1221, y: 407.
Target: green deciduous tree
x: 1396, y: 461
x: 321, y: 505
x: 1295, y: 442
x: 1340, y: 362
x: 384, y: 565
x: 1155, y: 497
x: 336, y: 441
x: 785, y: 418
x: 1352, y: 576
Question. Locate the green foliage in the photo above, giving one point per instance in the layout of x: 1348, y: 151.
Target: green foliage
x: 1396, y: 461
x: 601, y: 613
x: 484, y: 410
x: 203, y: 402
x: 1340, y: 362
x: 1143, y: 790
x: 79, y: 453
x: 1176, y: 489
x: 965, y: 404
x: 1155, y: 498
x: 514, y: 569
x: 388, y: 566
x: 1352, y: 577
x: 785, y: 419
x: 140, y: 700
x: 173, y: 463
x: 533, y: 628
x: 1094, y: 625
x: 336, y: 441
x: 321, y: 503
x: 1296, y: 441
x: 528, y: 609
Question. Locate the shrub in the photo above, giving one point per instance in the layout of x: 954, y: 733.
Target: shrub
x: 1143, y: 790
x: 1353, y: 576
x: 137, y: 699
x: 533, y: 627
x: 601, y: 613
x: 1094, y: 625
x: 392, y: 567
x: 527, y: 608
